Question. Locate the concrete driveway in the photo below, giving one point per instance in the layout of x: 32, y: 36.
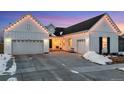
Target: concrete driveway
x: 63, y: 66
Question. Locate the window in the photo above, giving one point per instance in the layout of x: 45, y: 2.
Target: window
x: 104, y: 42
x: 81, y: 40
x: 70, y: 42
x: 28, y: 26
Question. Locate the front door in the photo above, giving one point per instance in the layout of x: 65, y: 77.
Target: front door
x: 50, y: 43
x: 104, y: 45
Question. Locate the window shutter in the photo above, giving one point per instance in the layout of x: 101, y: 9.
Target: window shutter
x: 100, y: 45
x: 108, y: 44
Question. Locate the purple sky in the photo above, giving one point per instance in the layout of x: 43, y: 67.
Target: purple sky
x: 59, y: 18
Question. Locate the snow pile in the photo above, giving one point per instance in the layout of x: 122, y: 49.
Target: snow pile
x: 96, y: 58
x: 4, y: 58
x: 122, y: 53
x: 12, y: 79
x: 122, y: 69
x: 12, y: 70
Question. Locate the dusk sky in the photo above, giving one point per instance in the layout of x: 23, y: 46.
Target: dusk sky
x: 60, y: 18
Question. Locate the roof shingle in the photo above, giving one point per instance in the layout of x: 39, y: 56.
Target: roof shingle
x: 82, y: 26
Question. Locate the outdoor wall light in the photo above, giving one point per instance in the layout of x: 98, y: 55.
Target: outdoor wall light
x: 8, y: 40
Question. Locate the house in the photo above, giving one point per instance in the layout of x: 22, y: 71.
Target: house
x: 99, y: 34
x: 26, y: 36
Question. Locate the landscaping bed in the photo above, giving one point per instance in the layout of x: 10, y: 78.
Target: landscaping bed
x: 117, y: 59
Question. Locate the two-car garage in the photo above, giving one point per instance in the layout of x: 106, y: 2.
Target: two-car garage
x: 27, y: 36
x: 27, y: 46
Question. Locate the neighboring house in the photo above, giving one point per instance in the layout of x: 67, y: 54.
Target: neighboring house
x: 121, y: 43
x: 98, y: 34
x: 26, y: 36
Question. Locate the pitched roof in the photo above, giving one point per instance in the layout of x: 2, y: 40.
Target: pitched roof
x: 58, y: 31
x: 22, y: 18
x: 82, y: 26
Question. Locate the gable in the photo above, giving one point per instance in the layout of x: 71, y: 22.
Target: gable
x: 26, y: 24
x: 51, y: 29
x: 105, y: 25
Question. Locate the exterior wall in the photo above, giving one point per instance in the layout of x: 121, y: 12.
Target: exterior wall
x: 46, y: 45
x: 14, y: 35
x: 9, y: 36
x: 103, y: 29
x: 75, y: 37
x: 7, y: 45
x: 63, y: 41
x: 25, y: 30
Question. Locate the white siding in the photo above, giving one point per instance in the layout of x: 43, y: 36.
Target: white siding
x: 75, y: 37
x: 103, y: 29
x: 26, y: 30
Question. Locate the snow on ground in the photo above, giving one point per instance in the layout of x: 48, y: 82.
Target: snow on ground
x: 122, y: 53
x: 4, y: 58
x: 12, y: 79
x: 96, y: 58
x: 12, y: 70
x: 121, y: 69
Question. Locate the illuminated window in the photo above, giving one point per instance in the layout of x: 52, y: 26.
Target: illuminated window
x: 104, y: 42
x: 70, y: 42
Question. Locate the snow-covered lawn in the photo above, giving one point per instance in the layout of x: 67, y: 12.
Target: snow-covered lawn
x: 96, y: 58
x: 4, y: 68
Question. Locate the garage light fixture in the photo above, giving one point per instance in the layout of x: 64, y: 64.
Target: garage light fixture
x: 8, y: 40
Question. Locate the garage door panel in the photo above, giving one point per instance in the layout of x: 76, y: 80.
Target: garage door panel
x: 81, y: 46
x: 27, y: 47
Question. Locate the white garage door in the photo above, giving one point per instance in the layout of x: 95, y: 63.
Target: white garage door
x: 27, y: 46
x: 81, y: 46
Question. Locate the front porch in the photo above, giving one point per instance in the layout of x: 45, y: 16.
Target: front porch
x: 60, y: 43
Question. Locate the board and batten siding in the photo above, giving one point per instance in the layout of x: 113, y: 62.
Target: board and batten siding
x: 25, y: 30
x: 21, y: 35
x: 103, y: 29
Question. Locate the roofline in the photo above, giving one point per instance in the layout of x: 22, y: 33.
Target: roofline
x: 83, y: 21
x: 114, y: 24
x: 98, y: 21
x: 106, y: 14
x: 84, y: 31
x: 35, y: 19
